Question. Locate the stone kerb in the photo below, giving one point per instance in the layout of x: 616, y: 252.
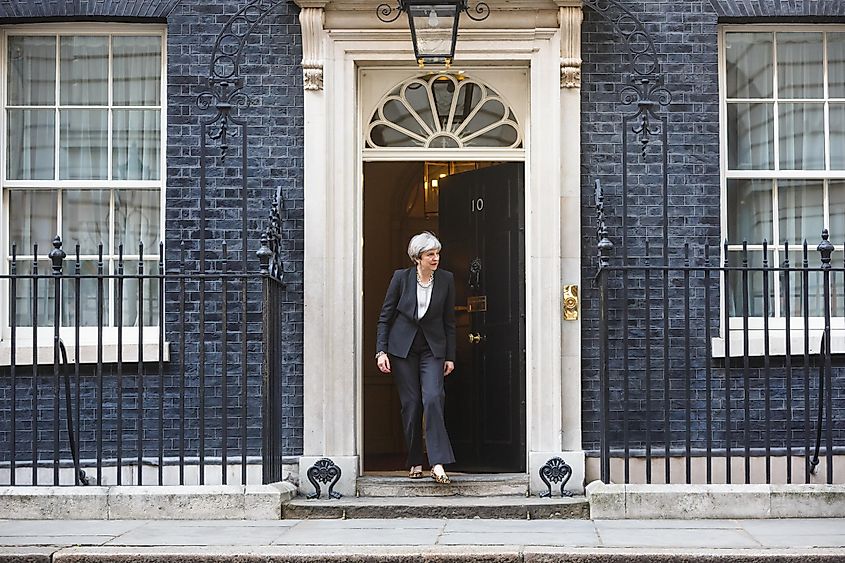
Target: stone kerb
x: 687, y: 502
x: 211, y: 502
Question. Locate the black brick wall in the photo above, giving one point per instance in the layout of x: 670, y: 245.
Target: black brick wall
x: 87, y: 8
x: 685, y: 36
x: 274, y: 128
x: 766, y: 9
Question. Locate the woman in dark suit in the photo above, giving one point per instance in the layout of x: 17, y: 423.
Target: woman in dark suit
x: 416, y: 343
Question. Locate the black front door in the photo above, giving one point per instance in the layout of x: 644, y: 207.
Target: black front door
x: 482, y: 230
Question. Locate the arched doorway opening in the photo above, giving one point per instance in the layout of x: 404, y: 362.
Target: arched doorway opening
x: 444, y: 153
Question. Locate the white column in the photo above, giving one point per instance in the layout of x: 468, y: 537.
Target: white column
x: 570, y: 242
x: 329, y: 352
x: 565, y: 442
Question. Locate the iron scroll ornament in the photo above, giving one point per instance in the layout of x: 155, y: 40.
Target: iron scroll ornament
x: 224, y: 82
x: 324, y: 471
x: 387, y: 13
x: 645, y: 87
x: 555, y: 471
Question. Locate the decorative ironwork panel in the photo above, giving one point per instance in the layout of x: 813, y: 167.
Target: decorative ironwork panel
x: 555, y: 471
x: 324, y: 471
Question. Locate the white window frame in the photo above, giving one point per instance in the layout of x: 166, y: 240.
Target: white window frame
x: 88, y: 335
x: 777, y: 323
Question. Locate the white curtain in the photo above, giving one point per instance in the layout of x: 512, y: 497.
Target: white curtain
x: 136, y: 70
x: 751, y: 135
x: 800, y: 65
x: 31, y: 82
x: 136, y: 144
x: 749, y: 65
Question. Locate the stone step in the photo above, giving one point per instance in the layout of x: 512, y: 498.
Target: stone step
x: 463, y: 484
x: 496, y: 507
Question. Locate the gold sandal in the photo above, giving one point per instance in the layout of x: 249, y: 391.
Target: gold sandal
x: 441, y: 479
x: 415, y: 474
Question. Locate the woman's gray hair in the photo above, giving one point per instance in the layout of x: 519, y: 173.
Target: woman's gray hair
x: 422, y: 243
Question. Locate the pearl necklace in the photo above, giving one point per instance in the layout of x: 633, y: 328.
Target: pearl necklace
x: 424, y: 285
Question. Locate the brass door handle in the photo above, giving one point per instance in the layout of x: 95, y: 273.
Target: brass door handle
x: 476, y: 338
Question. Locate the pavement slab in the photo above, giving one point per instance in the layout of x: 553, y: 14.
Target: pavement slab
x: 158, y: 533
x: 425, y: 540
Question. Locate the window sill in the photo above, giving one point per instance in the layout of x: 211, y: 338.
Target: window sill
x: 87, y: 353
x: 777, y: 343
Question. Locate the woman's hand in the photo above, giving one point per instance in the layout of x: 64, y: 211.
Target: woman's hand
x: 448, y: 367
x: 384, y: 363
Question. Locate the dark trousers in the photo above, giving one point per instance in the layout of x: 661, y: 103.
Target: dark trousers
x: 419, y: 380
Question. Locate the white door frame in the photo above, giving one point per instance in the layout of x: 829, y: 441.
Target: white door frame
x: 333, y: 269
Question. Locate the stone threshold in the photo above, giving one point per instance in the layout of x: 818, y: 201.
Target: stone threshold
x: 457, y: 507
x: 463, y: 484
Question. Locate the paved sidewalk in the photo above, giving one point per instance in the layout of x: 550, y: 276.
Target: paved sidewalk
x: 399, y: 540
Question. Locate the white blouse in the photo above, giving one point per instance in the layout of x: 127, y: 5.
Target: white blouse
x: 423, y: 298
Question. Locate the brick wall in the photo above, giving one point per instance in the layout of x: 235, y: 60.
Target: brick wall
x: 685, y: 37
x: 274, y: 132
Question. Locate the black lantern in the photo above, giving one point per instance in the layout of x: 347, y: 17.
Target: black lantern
x: 434, y: 25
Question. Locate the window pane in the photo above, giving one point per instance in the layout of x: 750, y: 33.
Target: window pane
x: 83, y: 143
x: 751, y: 135
x: 133, y: 301
x: 837, y: 136
x: 137, y: 71
x: 84, y: 71
x: 749, y: 65
x: 386, y: 136
x: 416, y: 95
x: 30, y: 153
x: 836, y: 195
x: 137, y: 215
x: 396, y: 112
x: 837, y: 284
x: 749, y: 287
x: 801, y: 136
x: 501, y: 136
x: 32, y: 71
x: 749, y: 211
x: 85, y: 220
x: 136, y: 144
x: 814, y: 285
x: 32, y: 220
x: 491, y: 112
x: 469, y: 96
x: 800, y: 210
x: 86, y: 297
x: 800, y: 65
x: 836, y: 65
x: 28, y: 300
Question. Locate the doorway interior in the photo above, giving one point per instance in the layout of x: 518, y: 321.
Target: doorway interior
x: 402, y: 198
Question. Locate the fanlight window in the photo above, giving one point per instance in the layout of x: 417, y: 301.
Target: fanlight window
x: 443, y: 111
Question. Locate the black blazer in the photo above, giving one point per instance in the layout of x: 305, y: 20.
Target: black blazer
x: 398, y: 324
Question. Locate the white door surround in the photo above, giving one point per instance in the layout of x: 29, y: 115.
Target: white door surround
x: 336, y: 54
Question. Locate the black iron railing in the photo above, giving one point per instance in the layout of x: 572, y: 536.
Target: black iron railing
x: 135, y: 372
x: 721, y: 364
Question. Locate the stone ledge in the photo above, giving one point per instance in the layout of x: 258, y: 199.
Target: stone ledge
x: 26, y: 554
x: 211, y: 502
x: 435, y: 554
x: 687, y: 502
